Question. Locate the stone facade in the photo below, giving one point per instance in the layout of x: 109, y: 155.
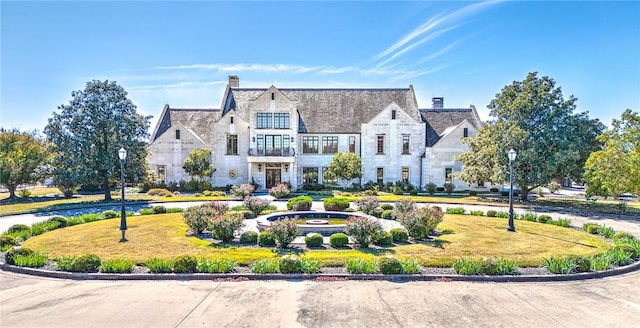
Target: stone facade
x: 273, y: 135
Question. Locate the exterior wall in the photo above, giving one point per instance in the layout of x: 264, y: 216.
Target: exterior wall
x: 442, y: 155
x: 171, y: 152
x: 392, y: 160
x: 230, y: 169
x: 320, y: 160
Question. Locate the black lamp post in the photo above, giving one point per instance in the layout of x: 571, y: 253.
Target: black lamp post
x: 512, y: 157
x: 122, y: 154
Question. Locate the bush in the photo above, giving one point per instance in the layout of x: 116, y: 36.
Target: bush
x: 175, y: 210
x: 368, y: 204
x: 473, y: 193
x: 313, y: 240
x: 449, y: 188
x: 467, y: 267
x: 300, y: 203
x: 633, y: 253
x: 266, y: 266
x: 505, y: 266
x: 117, y: 266
x: 284, y: 231
x: 60, y: 220
x: 544, y: 218
x: 146, y: 211
x: 44, y: 226
x: 560, y: 265
x: 109, y: 214
x: 494, y: 189
x: 456, y: 210
x: 160, y: 192
x: 64, y: 263
x: 266, y: 239
x: 361, y: 229
x: 290, y: 264
x: 185, y: 264
x: 600, y: 262
x: 158, y: 265
x: 382, y: 238
x: 386, y: 207
x: 249, y: 237
x: 10, y: 255
x: 256, y: 205
x: 389, y: 265
x: 86, y: 263
x: 7, y: 242
x: 504, y: 215
x: 310, y: 266
x: 215, y: 193
x: 280, y: 190
x: 421, y: 222
x: 224, y: 227
x: 32, y: 260
x: 561, y: 222
x: 531, y: 217
x: 159, y: 209
x: 581, y: 263
x: 476, y: 213
x: 410, y: 266
x: 492, y: 213
x: 431, y: 188
x: 16, y: 228
x: 245, y: 214
x: 404, y: 205
x: 605, y: 231
x: 197, y: 217
x: 216, y: 265
x: 387, y: 215
x: 338, y: 240
x: 355, y: 266
x: 242, y: 192
x: 336, y: 204
x: 399, y: 235
x: 591, y: 228
x: 622, y: 237
x: 620, y: 255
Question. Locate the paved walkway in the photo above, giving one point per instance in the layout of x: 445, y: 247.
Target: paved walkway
x: 27, y: 301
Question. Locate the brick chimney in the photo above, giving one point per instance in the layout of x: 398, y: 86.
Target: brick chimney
x: 234, y: 81
x: 437, y: 102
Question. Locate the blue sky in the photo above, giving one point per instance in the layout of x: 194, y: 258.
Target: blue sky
x: 181, y: 53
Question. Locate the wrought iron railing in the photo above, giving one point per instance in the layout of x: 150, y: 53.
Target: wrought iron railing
x: 271, y: 152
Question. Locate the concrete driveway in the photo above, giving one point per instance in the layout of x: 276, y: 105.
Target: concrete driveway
x: 27, y: 301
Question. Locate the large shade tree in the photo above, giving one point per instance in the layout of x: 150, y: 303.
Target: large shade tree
x: 615, y: 169
x: 345, y: 166
x: 23, y: 157
x: 533, y: 118
x: 88, y: 132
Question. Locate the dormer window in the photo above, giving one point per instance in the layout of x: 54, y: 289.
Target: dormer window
x: 393, y: 114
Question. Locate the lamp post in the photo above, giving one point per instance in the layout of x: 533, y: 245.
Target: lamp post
x: 512, y: 157
x: 122, y: 154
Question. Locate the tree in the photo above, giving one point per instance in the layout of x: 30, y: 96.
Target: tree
x: 198, y: 164
x: 23, y: 156
x: 88, y: 132
x: 533, y: 118
x: 615, y: 169
x: 345, y: 166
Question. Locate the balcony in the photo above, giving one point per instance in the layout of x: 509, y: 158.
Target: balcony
x: 274, y: 155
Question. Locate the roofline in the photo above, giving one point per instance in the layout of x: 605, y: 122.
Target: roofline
x: 162, y: 115
x: 324, y: 89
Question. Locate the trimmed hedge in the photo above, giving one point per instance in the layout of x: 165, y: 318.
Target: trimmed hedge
x: 336, y: 204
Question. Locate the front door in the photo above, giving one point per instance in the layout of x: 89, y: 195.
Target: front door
x: 273, y: 177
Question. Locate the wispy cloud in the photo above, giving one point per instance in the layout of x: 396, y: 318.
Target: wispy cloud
x: 429, y: 30
x: 226, y: 68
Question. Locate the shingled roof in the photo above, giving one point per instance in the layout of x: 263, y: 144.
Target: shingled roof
x: 199, y: 120
x: 439, y: 119
x: 330, y: 110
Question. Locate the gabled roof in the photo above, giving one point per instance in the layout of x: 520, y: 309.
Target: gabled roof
x: 330, y: 110
x: 198, y: 120
x: 440, y: 119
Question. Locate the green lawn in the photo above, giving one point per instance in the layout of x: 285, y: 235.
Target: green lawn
x: 465, y: 236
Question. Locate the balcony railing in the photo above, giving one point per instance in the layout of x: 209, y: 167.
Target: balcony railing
x: 271, y: 152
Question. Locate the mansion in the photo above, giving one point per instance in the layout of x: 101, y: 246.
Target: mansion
x: 274, y: 135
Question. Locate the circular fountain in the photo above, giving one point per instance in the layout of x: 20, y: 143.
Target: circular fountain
x: 322, y: 222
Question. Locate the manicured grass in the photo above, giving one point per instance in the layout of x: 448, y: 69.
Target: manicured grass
x: 164, y: 236
x: 35, y: 192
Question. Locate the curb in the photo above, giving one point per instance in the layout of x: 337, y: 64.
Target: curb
x: 299, y: 276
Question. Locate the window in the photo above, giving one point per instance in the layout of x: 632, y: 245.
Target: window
x: 273, y: 96
x: 466, y: 132
x: 310, y: 174
x: 329, y: 145
x: 447, y: 175
x: 177, y: 134
x: 405, y: 174
x: 286, y: 143
x: 380, y: 144
x: 231, y: 119
x: 405, y: 143
x: 162, y: 172
x: 327, y: 180
x: 380, y: 175
x: 264, y: 120
x: 281, y: 120
x: 309, y: 145
x: 393, y: 114
x: 232, y: 144
x: 352, y: 144
x: 260, y: 144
